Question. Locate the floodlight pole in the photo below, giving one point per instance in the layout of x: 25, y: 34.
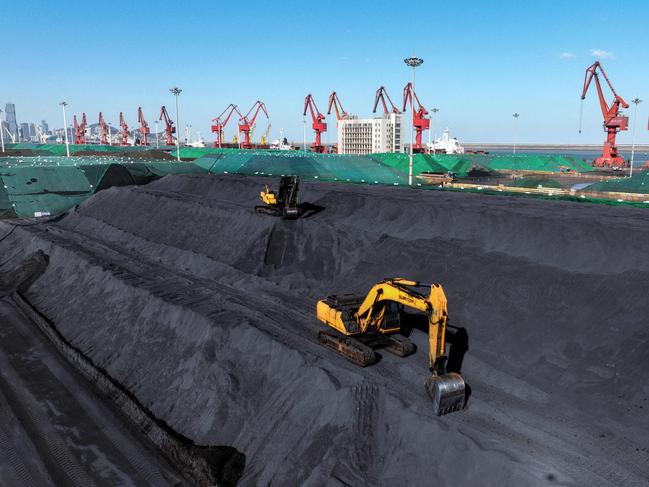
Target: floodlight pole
x: 177, y: 91
x: 304, y: 137
x: 413, y: 62
x: 157, y: 138
x: 515, y: 115
x: 636, y: 102
x: 65, y: 128
x: 2, y: 136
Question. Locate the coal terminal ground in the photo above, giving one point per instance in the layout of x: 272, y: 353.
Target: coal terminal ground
x: 205, y: 313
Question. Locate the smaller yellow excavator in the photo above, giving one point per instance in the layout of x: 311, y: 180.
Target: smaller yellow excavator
x: 359, y: 324
x: 284, y: 202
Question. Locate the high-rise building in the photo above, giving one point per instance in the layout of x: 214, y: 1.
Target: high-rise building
x: 370, y: 135
x: 44, y: 127
x: 10, y: 116
x: 24, y: 132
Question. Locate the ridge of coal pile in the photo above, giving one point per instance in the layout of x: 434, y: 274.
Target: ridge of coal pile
x: 206, y: 312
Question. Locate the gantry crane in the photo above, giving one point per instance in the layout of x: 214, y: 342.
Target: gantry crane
x: 103, y: 130
x: 144, y: 127
x: 381, y: 95
x: 80, y: 130
x: 334, y: 102
x: 614, y: 120
x: 123, y: 130
x: 170, y: 130
x: 318, y: 124
x: 246, y: 123
x: 419, y: 120
x: 219, y: 124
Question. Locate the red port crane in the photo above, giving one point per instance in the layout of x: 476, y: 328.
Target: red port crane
x: 219, y: 124
x: 614, y: 120
x: 80, y: 130
x: 318, y: 125
x: 124, y: 129
x: 334, y: 102
x: 419, y: 120
x: 381, y: 95
x: 103, y: 129
x: 170, y: 130
x: 144, y: 127
x: 246, y: 123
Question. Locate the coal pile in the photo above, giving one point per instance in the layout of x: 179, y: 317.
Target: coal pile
x: 205, y: 311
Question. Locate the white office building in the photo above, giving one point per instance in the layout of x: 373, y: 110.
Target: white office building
x: 370, y: 135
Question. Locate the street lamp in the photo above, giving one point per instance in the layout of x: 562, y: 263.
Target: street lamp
x: 515, y: 115
x: 636, y: 102
x: 157, y: 138
x: 412, y: 62
x: 65, y: 128
x: 2, y: 137
x: 175, y: 91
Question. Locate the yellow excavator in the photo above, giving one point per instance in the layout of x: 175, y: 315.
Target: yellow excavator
x: 359, y: 324
x: 284, y: 202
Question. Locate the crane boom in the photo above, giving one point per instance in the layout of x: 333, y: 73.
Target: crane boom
x: 219, y: 125
x: 614, y: 120
x: 123, y: 130
x: 144, y: 127
x: 103, y: 129
x: 381, y: 95
x: 419, y: 120
x: 170, y: 130
x: 80, y: 129
x: 334, y: 102
x: 318, y: 124
x: 246, y: 122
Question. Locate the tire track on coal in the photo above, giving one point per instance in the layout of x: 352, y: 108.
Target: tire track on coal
x: 9, y: 450
x: 143, y: 273
x: 60, y: 463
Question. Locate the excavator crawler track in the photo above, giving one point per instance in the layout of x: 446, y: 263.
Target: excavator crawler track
x: 400, y: 346
x: 349, y: 348
x: 267, y: 210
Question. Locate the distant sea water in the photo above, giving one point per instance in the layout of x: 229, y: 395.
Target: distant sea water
x: 639, y: 159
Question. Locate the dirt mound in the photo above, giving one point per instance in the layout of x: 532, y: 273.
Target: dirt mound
x: 205, y: 311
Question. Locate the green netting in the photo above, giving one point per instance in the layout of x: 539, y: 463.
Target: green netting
x: 59, y: 149
x: 6, y: 207
x: 639, y: 183
x: 52, y: 185
x: 421, y: 162
x: 525, y: 162
x: 44, y: 190
x: 327, y: 167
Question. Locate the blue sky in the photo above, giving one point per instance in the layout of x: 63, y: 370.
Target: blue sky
x: 484, y: 60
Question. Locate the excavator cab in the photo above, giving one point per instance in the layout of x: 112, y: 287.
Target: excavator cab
x: 284, y: 202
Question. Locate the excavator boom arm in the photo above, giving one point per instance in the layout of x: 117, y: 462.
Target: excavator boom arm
x: 402, y: 291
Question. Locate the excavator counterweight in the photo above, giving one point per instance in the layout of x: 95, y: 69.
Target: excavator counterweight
x: 360, y: 324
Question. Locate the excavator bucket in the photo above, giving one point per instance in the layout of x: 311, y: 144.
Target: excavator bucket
x: 447, y: 392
